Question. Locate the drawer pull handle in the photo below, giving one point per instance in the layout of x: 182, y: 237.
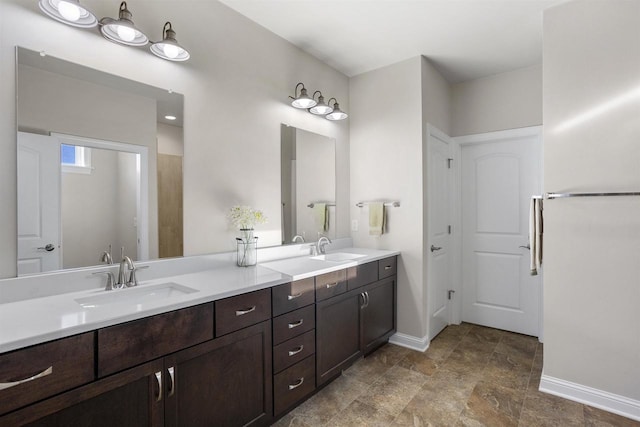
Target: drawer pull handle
x: 332, y: 285
x: 296, y: 324
x: 387, y: 267
x: 243, y: 312
x: 290, y: 297
x: 297, y: 384
x: 172, y: 384
x: 44, y: 373
x: 159, y: 381
x: 296, y: 351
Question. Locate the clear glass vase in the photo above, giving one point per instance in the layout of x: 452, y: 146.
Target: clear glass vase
x: 247, y: 248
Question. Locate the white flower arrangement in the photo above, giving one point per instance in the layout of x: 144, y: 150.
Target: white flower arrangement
x: 245, y: 217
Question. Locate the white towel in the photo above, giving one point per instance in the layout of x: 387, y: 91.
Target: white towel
x: 377, y: 218
x: 535, y: 234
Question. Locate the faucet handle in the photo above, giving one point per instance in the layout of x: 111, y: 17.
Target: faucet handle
x: 110, y: 279
x: 133, y: 279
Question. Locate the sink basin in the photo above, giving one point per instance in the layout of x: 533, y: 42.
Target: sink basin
x: 135, y: 296
x: 337, y: 257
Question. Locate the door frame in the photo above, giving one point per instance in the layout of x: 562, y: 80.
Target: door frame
x: 431, y: 133
x: 475, y: 139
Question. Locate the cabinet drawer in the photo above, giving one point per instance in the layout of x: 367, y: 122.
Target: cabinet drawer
x: 48, y: 368
x: 291, y: 296
x: 294, y: 350
x: 292, y: 324
x: 129, y: 344
x: 241, y: 311
x: 362, y: 275
x: 293, y: 384
x: 330, y: 284
x: 387, y: 267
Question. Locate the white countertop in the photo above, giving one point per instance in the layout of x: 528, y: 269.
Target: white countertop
x: 37, y: 320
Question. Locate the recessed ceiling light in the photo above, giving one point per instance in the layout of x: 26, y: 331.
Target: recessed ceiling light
x: 170, y: 117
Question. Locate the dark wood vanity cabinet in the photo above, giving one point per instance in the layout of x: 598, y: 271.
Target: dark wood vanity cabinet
x: 131, y: 398
x: 358, y: 321
x: 223, y: 382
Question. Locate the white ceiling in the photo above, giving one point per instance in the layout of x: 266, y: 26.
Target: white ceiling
x: 465, y: 39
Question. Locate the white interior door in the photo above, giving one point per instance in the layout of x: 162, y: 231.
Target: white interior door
x: 439, y: 244
x: 500, y: 173
x: 38, y: 203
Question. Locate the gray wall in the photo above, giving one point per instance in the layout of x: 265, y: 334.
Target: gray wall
x: 235, y: 86
x: 591, y: 70
x: 502, y: 101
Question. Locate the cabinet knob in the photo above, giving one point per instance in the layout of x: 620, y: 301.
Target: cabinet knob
x: 10, y: 384
x: 296, y: 324
x: 290, y: 297
x: 245, y: 311
x: 296, y: 384
x: 296, y: 350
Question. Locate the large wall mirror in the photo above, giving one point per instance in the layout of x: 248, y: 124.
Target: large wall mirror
x: 308, y: 186
x: 99, y: 166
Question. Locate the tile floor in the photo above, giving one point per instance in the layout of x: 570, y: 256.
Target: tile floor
x: 469, y: 376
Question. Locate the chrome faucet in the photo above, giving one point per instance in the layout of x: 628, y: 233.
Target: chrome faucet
x: 322, y: 242
x: 296, y: 237
x: 106, y: 256
x: 122, y: 281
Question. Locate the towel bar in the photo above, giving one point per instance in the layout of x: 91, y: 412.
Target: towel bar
x: 390, y: 204
x: 312, y: 204
x: 567, y: 195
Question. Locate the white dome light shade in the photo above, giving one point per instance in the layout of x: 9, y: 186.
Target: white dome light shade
x: 320, y: 108
x: 302, y: 101
x: 123, y: 30
x: 337, y: 113
x: 169, y: 48
x: 69, y: 12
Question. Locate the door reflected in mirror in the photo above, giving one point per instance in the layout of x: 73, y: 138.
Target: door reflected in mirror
x: 57, y: 98
x: 308, y: 186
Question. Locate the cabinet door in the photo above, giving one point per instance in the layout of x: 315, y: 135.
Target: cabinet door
x: 223, y: 382
x: 378, y: 314
x: 338, y: 335
x: 133, y: 398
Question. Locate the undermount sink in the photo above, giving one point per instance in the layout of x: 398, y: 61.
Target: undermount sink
x: 135, y: 296
x: 338, y: 256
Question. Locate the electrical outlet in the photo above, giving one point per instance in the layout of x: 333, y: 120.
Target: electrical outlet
x: 354, y: 225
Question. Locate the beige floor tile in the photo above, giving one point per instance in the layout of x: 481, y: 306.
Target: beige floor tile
x: 420, y: 362
x: 390, y: 354
x: 394, y: 390
x: 594, y: 417
x: 542, y: 409
x: 367, y: 370
x: 492, y: 405
x: 360, y: 414
x: 508, y: 371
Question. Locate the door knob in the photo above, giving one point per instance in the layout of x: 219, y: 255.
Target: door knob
x: 525, y: 247
x: 435, y: 248
x: 49, y: 247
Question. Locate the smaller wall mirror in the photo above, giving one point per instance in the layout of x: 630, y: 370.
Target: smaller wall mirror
x: 308, y: 186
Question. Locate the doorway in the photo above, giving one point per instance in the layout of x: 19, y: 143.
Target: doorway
x: 499, y: 172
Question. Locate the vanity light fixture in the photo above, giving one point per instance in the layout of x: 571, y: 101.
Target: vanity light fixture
x: 123, y: 30
x: 169, y: 48
x: 337, y: 113
x: 302, y: 100
x: 320, y: 108
x: 69, y: 12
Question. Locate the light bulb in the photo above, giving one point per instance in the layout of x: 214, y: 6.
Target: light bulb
x: 126, y: 33
x: 172, y: 51
x: 69, y: 11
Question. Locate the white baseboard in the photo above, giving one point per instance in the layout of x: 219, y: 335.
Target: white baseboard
x: 610, y: 402
x: 409, y: 341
